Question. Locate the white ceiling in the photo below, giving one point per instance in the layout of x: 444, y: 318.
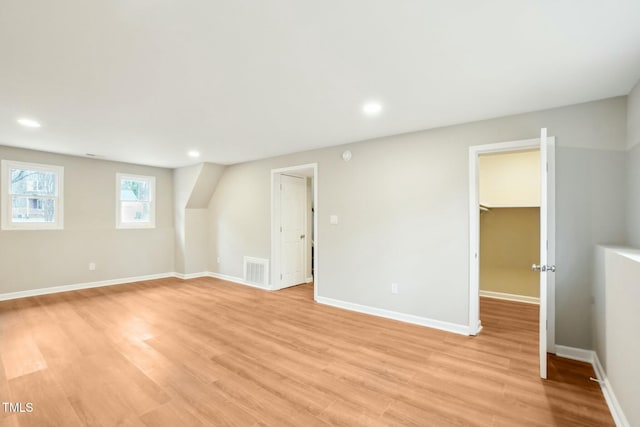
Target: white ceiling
x: 145, y: 81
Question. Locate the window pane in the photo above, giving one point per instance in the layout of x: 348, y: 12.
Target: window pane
x: 33, y: 209
x: 134, y: 190
x: 135, y: 212
x: 33, y: 182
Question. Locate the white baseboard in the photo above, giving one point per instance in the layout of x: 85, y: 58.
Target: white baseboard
x: 308, y: 279
x: 191, y: 275
x: 124, y: 280
x: 79, y: 286
x: 591, y: 356
x: 614, y: 405
x: 573, y: 353
x: 408, y: 318
x: 478, y: 330
x: 510, y: 297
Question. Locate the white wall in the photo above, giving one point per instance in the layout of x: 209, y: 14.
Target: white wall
x: 196, y: 241
x: 633, y: 116
x: 44, y: 258
x: 590, y: 210
x: 622, y: 322
x: 598, y: 310
x: 193, y: 187
x: 509, y: 180
x: 239, y: 219
x: 184, y: 180
x: 617, y: 320
x: 633, y: 166
x: 402, y: 205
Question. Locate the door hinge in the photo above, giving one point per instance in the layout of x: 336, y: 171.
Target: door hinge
x: 280, y: 276
x: 281, y: 229
x: 280, y: 186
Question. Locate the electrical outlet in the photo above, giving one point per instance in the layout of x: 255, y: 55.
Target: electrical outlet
x: 394, y: 288
x: 92, y: 266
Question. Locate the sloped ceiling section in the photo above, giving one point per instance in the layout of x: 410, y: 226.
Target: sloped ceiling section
x: 193, y: 188
x: 205, y: 186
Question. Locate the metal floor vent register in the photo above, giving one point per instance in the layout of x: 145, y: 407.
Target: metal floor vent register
x: 256, y: 270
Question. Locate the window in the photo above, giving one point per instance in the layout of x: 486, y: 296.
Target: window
x: 31, y: 196
x: 135, y: 204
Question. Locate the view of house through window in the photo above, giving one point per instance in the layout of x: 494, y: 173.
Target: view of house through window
x: 136, y: 206
x: 32, y: 198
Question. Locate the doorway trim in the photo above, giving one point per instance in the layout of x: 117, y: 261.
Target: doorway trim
x: 474, y: 233
x: 275, y: 227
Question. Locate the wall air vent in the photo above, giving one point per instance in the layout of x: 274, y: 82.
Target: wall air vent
x: 256, y: 271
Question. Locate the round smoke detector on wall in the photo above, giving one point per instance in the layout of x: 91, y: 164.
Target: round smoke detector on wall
x: 346, y: 155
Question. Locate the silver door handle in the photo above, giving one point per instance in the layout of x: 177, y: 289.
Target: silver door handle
x: 543, y: 268
x: 302, y: 236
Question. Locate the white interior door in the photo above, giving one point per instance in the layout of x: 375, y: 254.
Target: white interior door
x: 292, y: 229
x: 547, y: 240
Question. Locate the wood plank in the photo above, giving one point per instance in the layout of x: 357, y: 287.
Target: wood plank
x: 50, y: 404
x: 20, y: 354
x: 170, y: 415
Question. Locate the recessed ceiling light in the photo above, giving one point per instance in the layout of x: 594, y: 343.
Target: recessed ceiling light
x: 193, y: 153
x: 372, y: 108
x: 29, y: 123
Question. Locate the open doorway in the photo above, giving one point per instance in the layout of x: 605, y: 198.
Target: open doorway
x: 294, y: 243
x: 508, y: 292
x: 509, y: 196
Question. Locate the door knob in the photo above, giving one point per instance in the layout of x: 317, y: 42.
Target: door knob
x: 543, y: 268
x: 302, y: 236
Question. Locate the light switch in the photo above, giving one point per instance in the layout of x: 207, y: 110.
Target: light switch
x: 333, y: 219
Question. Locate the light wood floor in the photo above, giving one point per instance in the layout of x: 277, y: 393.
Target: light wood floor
x: 207, y: 352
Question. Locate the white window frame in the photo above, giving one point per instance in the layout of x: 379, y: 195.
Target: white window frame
x: 7, y: 214
x: 151, y: 180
